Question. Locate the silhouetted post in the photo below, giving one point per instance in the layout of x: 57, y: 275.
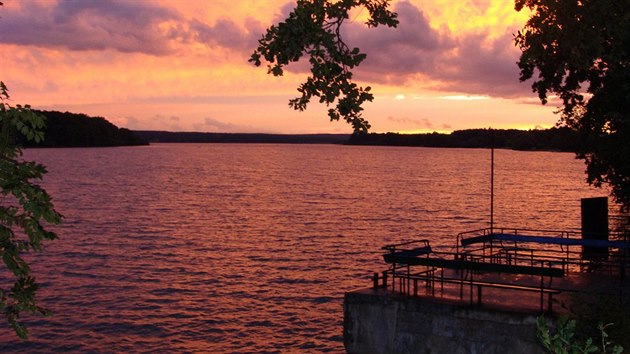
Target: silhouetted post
x: 594, y: 225
x: 375, y: 280
x: 491, y: 180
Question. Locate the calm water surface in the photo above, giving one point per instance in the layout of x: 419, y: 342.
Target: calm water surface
x: 250, y: 248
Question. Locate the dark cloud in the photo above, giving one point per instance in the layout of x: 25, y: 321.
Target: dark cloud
x: 227, y: 34
x: 125, y: 26
x: 473, y: 63
x: 484, y: 67
x: 394, y: 53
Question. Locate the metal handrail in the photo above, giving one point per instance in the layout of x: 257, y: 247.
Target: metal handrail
x: 539, y: 257
x: 392, y: 247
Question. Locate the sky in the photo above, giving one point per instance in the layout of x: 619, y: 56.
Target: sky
x: 183, y: 66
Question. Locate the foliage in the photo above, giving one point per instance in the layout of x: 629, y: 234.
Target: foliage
x: 23, y: 207
x: 564, y: 341
x: 592, y: 309
x: 65, y: 129
x: 314, y: 28
x: 580, y: 51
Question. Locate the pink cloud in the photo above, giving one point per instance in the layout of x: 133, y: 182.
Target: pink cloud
x: 422, y: 123
x: 125, y: 26
x: 394, y: 53
x: 472, y: 63
x: 227, y: 34
x: 476, y: 64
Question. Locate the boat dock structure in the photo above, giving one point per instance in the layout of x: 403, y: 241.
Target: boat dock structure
x: 484, y: 294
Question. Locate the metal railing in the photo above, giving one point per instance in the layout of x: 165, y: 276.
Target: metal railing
x: 533, y: 258
x: 511, y: 245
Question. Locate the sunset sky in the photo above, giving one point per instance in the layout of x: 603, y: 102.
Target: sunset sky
x: 182, y: 66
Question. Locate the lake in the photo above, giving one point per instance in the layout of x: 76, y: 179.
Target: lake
x: 250, y: 248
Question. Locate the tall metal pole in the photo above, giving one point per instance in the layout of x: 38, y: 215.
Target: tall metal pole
x: 491, y: 180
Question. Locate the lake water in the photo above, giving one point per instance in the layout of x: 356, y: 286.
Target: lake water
x: 250, y: 248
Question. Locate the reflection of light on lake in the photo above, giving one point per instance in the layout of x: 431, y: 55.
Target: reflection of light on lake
x: 251, y: 247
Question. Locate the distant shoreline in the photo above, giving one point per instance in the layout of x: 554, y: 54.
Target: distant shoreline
x: 65, y: 129
x: 554, y: 139
x: 158, y: 136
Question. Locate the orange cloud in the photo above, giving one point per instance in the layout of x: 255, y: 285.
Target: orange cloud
x: 142, y: 63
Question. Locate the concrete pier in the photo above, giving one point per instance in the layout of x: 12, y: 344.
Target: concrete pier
x: 377, y: 321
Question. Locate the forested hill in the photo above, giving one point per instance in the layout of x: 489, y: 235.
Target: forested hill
x: 65, y: 129
x: 554, y: 139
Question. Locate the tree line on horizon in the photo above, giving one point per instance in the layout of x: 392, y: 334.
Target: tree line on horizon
x: 554, y: 139
x: 65, y: 129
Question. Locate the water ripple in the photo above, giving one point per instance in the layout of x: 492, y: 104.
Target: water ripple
x: 250, y: 248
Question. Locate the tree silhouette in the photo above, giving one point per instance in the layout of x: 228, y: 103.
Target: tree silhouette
x: 314, y: 28
x: 24, y: 208
x: 580, y: 51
